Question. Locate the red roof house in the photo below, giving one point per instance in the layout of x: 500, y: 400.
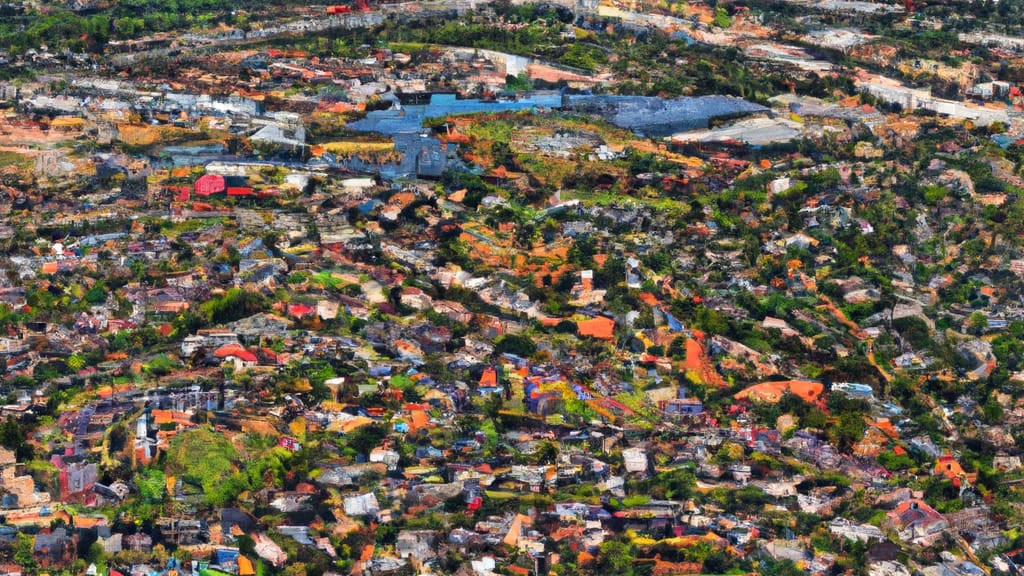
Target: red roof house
x: 235, y: 351
x: 181, y: 193
x: 489, y: 379
x: 209, y: 184
x: 300, y: 310
x: 599, y: 327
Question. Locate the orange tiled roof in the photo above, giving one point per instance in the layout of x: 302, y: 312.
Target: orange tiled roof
x: 245, y: 567
x: 418, y: 419
x: 599, y: 327
x: 662, y: 568
x: 774, y: 391
x: 489, y: 378
x: 649, y: 299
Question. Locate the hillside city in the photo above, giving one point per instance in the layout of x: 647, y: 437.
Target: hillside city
x: 471, y: 287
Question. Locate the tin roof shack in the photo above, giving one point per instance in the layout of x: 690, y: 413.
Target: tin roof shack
x: 362, y: 505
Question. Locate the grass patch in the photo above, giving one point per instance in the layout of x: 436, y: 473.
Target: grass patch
x: 407, y: 47
x: 353, y: 147
x: 20, y: 161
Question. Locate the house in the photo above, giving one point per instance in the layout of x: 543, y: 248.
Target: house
x: 740, y: 472
x: 285, y: 131
x: 54, y: 548
x: 268, y: 550
x: 681, y: 407
x: 773, y: 391
x: 290, y: 444
x: 299, y: 310
x: 488, y: 379
x: 844, y: 528
x: 240, y: 358
x: 453, y: 310
x: 77, y: 478
x: 327, y: 309
x: 916, y: 522
x: 533, y: 478
x: 362, y: 505
x: 354, y: 307
x: 262, y: 271
x: 192, y: 344
x: 385, y: 456
x: 138, y: 542
x: 634, y: 276
x: 415, y: 298
x: 258, y: 326
x: 884, y: 551
x: 183, y: 531
x: 598, y: 327
x: 583, y: 292
x: 947, y: 466
x: 112, y: 543
x: 209, y: 184
x: 384, y: 566
x: 20, y: 490
x: 484, y: 566
x: 635, y: 460
x: 1006, y: 463
x: 419, y: 544
x: 216, y: 337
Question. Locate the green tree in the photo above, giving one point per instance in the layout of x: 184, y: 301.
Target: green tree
x: 993, y: 411
x: 615, y: 557
x: 722, y: 19
x: 205, y: 458
x: 12, y: 437
x: 97, y: 294
x: 160, y: 365
x: 579, y: 56
x: 366, y: 438
x: 977, y: 322
x: 848, y: 431
x: 152, y: 484
x: 518, y: 344
x: 546, y: 453
x: 23, y: 556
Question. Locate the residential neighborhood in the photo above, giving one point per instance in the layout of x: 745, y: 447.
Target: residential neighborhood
x: 512, y: 288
